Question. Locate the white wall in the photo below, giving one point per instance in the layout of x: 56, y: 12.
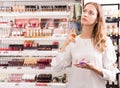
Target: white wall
x: 103, y: 1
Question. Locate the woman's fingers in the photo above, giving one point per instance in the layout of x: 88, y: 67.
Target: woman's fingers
x: 73, y: 39
x: 77, y: 65
x: 73, y: 33
x: 80, y: 66
x: 70, y: 39
x: 73, y: 30
x: 84, y: 65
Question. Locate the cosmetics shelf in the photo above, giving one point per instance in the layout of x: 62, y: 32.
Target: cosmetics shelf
x: 25, y: 70
x: 33, y: 85
x: 40, y: 39
x: 28, y: 53
x: 37, y: 0
x: 56, y: 14
x: 32, y: 31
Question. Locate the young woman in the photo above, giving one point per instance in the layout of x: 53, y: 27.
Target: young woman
x: 91, y: 54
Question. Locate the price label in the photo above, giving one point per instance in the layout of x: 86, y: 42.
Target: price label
x: 41, y: 84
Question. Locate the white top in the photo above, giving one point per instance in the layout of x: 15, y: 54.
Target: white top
x: 84, y: 78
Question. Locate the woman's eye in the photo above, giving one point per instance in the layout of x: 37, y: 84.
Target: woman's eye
x: 91, y: 13
x: 84, y: 10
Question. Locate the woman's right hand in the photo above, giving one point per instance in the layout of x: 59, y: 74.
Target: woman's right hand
x: 72, y: 35
x: 70, y: 38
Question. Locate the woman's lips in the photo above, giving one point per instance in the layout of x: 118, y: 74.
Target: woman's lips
x: 84, y: 19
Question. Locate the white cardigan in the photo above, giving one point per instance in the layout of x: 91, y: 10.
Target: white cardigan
x: 84, y: 78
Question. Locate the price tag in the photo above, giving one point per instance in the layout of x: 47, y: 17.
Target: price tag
x: 41, y: 84
x: 17, y: 84
x: 19, y: 67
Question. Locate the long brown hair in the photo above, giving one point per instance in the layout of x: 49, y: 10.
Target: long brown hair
x: 99, y: 32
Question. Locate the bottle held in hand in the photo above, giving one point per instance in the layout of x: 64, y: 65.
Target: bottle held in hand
x: 73, y: 34
x: 81, y: 62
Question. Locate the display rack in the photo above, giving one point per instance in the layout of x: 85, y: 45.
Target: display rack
x: 32, y: 31
x: 112, y: 16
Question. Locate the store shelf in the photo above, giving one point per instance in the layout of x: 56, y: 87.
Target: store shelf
x: 34, y: 0
x: 25, y: 70
x: 29, y: 53
x: 56, y: 14
x: 60, y: 10
x: 42, y: 39
x: 32, y: 85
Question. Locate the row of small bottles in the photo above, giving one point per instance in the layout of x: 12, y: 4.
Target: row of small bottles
x: 42, y: 78
x: 31, y: 32
x: 38, y: 32
x: 30, y: 8
x: 29, y: 45
x: 112, y: 30
x: 38, y: 62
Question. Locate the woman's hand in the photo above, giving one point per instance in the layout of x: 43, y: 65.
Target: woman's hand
x: 71, y: 38
x: 86, y: 65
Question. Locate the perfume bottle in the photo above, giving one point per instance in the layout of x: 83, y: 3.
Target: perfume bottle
x: 73, y: 34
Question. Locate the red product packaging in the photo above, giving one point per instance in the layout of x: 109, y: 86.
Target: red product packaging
x: 34, y: 22
x: 21, y: 22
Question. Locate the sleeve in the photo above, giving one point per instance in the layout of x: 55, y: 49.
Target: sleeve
x: 109, y: 60
x: 62, y: 60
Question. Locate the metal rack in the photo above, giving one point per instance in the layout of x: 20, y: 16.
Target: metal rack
x: 116, y: 38
x: 29, y: 70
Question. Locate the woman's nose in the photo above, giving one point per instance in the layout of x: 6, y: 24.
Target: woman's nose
x: 85, y: 14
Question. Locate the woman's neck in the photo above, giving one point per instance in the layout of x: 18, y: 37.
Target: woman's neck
x: 86, y: 32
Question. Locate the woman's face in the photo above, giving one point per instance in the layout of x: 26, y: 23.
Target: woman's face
x: 89, y: 15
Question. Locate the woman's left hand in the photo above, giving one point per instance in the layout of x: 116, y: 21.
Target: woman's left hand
x: 85, y: 64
